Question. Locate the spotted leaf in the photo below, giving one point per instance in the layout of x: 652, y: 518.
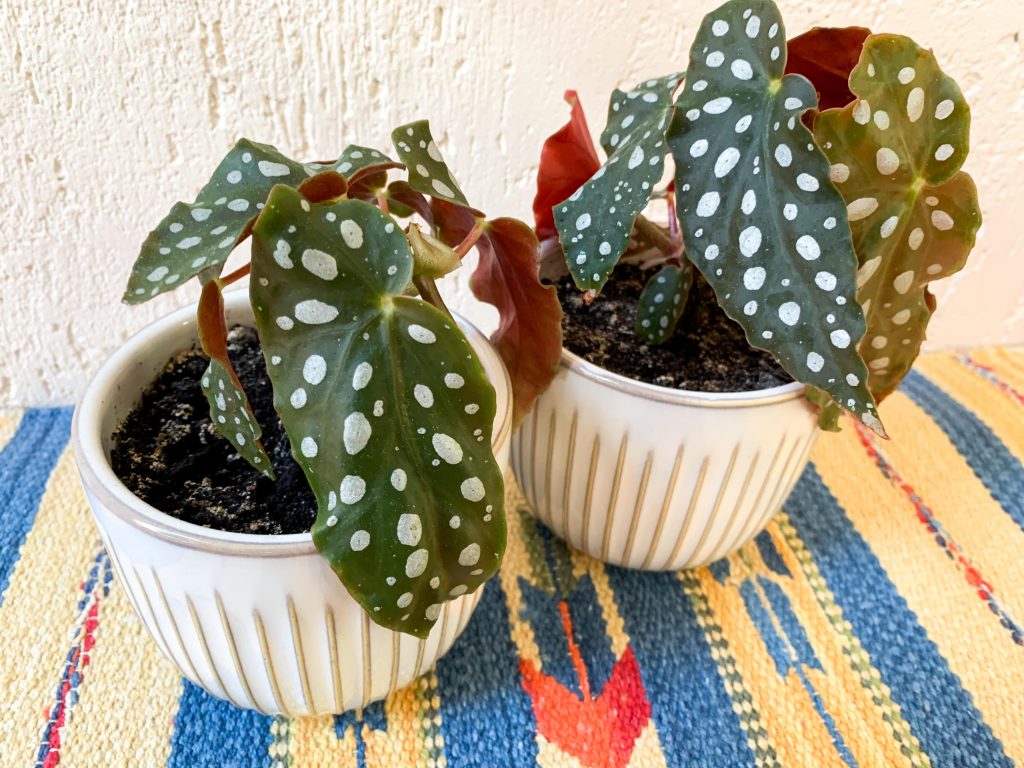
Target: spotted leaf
x: 230, y: 412
x: 386, y: 405
x: 662, y: 303
x: 428, y: 172
x: 199, y: 235
x: 355, y: 162
x: 760, y: 219
x: 595, y: 222
x: 897, y: 153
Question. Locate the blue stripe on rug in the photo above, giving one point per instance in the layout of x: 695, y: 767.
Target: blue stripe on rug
x: 26, y: 463
x: 984, y: 452
x: 689, y: 705
x: 214, y: 733
x: 486, y: 715
x: 941, y: 714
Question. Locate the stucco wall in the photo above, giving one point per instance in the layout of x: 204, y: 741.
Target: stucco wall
x: 111, y: 111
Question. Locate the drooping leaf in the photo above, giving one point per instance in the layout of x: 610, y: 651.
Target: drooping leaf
x: 230, y: 412
x: 529, y: 333
x: 662, y: 303
x: 428, y: 172
x: 387, y: 407
x: 897, y: 153
x: 196, y: 236
x: 760, y: 218
x: 594, y: 223
x: 567, y: 159
x: 826, y: 56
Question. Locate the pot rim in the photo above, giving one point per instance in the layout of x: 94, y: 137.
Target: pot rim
x: 654, y: 392
x: 100, y: 480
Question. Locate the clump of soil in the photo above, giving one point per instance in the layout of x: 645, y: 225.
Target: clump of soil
x: 708, y: 352
x: 169, y: 455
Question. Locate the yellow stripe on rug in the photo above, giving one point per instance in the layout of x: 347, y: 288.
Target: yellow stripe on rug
x: 1003, y: 415
x: 40, y: 607
x: 10, y: 420
x: 130, y: 695
x: 935, y: 590
x: 926, y: 459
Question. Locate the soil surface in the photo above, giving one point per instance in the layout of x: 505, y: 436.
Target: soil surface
x: 169, y: 455
x: 708, y: 352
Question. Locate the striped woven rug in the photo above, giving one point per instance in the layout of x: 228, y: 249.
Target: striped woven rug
x: 877, y: 622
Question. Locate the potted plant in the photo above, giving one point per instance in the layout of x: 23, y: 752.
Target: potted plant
x: 387, y: 424
x: 794, y: 253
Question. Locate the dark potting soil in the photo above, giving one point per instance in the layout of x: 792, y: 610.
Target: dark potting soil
x: 169, y: 455
x: 708, y: 352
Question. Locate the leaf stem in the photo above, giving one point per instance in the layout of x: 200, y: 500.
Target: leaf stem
x: 655, y: 235
x: 382, y: 201
x: 471, y: 237
x: 235, y: 276
x: 429, y: 293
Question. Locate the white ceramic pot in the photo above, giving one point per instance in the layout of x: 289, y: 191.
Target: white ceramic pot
x: 261, y: 621
x: 655, y: 478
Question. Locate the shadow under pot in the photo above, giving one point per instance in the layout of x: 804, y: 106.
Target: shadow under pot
x: 654, y: 478
x: 259, y: 620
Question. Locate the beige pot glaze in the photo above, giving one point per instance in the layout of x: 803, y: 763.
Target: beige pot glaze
x: 261, y: 621
x: 654, y: 478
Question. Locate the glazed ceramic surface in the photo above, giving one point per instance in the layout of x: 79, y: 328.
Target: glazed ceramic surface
x: 655, y: 478
x: 261, y: 621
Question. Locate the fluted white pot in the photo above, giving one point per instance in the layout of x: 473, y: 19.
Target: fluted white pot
x: 261, y: 621
x: 655, y: 478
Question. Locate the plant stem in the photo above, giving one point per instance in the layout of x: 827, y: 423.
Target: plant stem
x: 655, y: 235
x: 235, y: 276
x: 382, y: 202
x: 429, y: 293
x: 471, y: 237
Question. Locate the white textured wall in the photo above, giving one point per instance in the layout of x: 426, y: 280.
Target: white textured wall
x: 111, y: 111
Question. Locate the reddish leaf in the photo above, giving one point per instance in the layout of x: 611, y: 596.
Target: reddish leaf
x: 529, y: 336
x: 826, y: 56
x: 567, y: 159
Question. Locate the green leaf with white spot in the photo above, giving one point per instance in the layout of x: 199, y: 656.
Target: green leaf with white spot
x: 662, y: 303
x: 428, y: 172
x: 759, y: 216
x: 897, y: 153
x: 386, y: 405
x: 199, y: 235
x: 594, y: 224
x: 230, y: 412
x: 356, y: 161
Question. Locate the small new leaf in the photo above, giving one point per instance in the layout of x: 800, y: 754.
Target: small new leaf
x: 428, y: 172
x: 386, y: 405
x: 199, y: 235
x: 594, y: 223
x: 897, y: 153
x: 230, y: 412
x: 662, y: 303
x: 760, y: 218
x: 826, y: 56
x: 431, y: 258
